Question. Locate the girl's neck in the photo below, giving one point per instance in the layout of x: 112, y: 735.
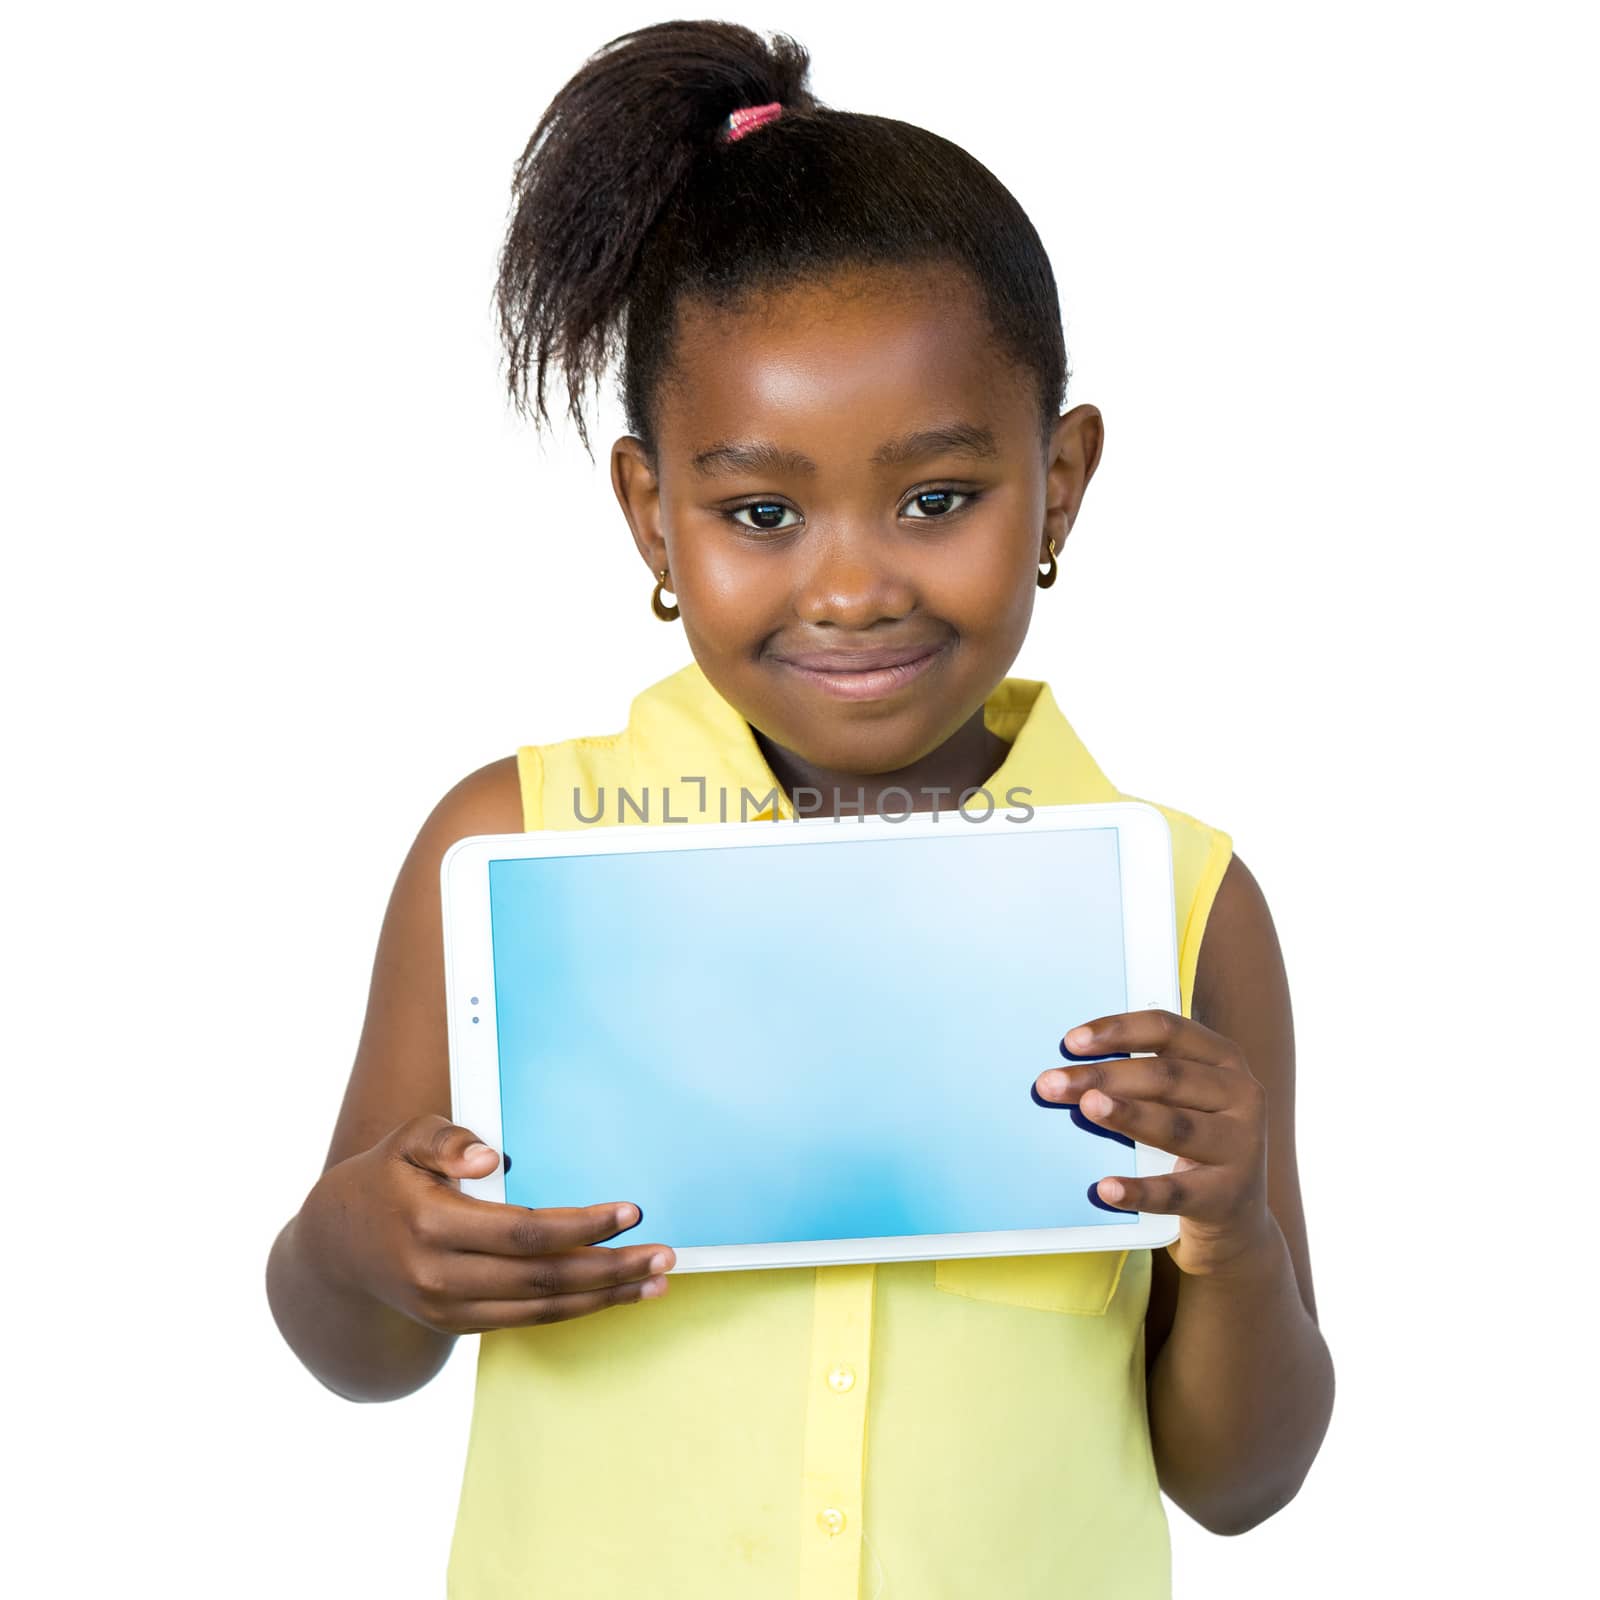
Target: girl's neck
x: 966, y: 760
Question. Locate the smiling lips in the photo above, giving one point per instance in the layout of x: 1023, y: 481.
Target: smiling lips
x: 863, y: 674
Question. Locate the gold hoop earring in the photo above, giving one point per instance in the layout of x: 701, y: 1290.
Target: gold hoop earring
x: 1047, y: 575
x: 665, y: 612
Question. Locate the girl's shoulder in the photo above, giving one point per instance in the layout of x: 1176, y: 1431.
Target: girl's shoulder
x: 486, y: 800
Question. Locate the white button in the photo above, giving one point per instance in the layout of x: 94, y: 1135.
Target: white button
x: 840, y: 1379
x: 831, y: 1521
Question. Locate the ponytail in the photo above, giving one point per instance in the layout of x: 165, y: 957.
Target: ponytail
x: 631, y: 195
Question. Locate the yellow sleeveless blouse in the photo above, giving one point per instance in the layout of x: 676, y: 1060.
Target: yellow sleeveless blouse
x: 902, y: 1431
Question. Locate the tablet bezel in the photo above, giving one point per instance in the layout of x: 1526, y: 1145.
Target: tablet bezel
x: 1150, y: 960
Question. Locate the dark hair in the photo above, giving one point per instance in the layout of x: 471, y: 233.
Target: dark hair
x: 626, y: 200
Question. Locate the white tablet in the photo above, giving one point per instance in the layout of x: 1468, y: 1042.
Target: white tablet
x: 798, y: 1043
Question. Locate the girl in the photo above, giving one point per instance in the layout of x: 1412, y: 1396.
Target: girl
x: 842, y: 366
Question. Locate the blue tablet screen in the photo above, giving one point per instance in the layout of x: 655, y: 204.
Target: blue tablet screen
x: 805, y: 1042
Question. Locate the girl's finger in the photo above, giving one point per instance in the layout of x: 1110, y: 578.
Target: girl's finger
x: 487, y: 1316
x: 468, y: 1277
x: 1161, y: 1031
x: 1203, y: 1193
x: 1171, y: 1080
x: 1209, y: 1137
x: 451, y: 1220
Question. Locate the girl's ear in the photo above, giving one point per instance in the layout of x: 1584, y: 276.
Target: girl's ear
x: 1075, y: 452
x: 639, y: 494
x: 1091, y: 432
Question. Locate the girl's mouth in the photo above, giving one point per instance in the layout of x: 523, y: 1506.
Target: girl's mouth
x: 864, y: 674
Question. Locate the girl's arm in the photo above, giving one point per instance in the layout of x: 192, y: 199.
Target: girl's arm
x: 1240, y: 1380
x: 355, y: 1344
x: 387, y: 1263
x: 351, y: 1341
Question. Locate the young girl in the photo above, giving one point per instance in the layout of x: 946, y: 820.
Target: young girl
x: 842, y: 365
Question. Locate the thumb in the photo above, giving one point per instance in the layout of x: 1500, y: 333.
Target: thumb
x: 444, y: 1147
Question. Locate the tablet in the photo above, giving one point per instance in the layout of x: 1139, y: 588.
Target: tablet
x: 810, y: 1042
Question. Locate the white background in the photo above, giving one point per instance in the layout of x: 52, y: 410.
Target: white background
x: 281, y: 566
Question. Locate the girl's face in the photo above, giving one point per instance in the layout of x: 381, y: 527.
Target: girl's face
x: 852, y: 505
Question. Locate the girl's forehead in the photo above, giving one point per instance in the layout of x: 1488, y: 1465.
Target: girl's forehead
x: 887, y: 351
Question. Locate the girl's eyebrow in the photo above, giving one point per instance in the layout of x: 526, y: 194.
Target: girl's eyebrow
x: 761, y: 455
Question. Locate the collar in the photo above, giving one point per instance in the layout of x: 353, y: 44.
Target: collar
x: 681, y: 730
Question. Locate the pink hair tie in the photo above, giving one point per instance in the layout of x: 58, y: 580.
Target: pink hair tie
x: 748, y: 118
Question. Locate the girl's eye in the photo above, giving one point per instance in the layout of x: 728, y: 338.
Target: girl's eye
x: 762, y: 509
x: 932, y: 504
x: 941, y: 499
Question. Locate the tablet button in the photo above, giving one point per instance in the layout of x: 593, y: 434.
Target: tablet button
x: 841, y: 1379
x: 831, y: 1521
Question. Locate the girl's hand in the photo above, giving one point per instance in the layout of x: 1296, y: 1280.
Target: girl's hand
x: 392, y: 1224
x: 1196, y: 1098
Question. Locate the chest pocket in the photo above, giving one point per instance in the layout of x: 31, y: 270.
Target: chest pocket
x: 1078, y: 1282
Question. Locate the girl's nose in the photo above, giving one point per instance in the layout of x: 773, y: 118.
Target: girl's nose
x: 852, y: 587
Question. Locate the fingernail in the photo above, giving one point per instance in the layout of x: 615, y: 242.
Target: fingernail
x: 1054, y: 1083
x: 473, y: 1151
x: 1079, y: 1039
x: 1112, y: 1190
x: 627, y: 1216
x: 653, y: 1287
x: 658, y: 1262
x: 1097, y: 1104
